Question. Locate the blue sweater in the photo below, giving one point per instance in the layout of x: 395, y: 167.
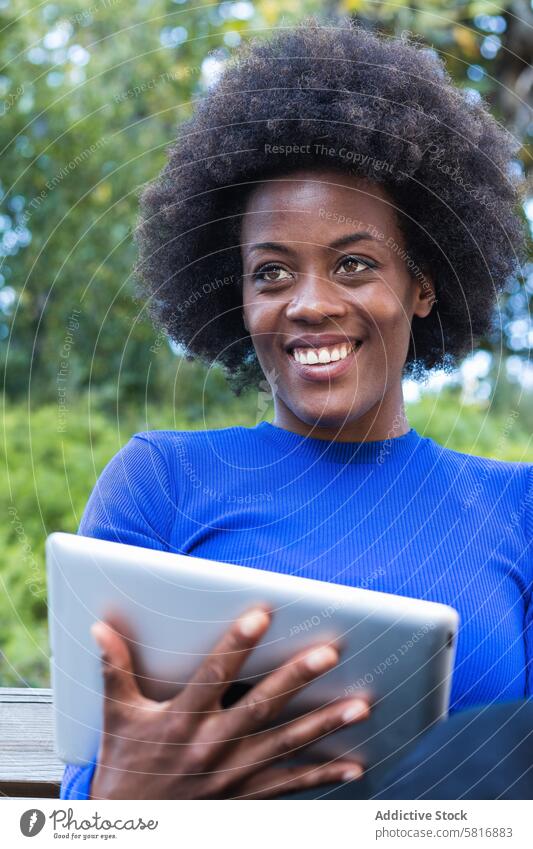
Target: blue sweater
x: 403, y: 515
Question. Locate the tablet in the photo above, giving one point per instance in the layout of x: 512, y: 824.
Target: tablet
x: 396, y: 651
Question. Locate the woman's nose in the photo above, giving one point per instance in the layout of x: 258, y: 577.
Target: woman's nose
x: 314, y: 299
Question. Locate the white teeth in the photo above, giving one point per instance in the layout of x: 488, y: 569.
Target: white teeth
x: 322, y: 356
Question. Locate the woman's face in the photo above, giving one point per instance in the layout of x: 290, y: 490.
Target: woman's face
x: 328, y: 303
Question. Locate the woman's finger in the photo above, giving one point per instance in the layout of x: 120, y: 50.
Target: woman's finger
x: 120, y: 685
x: 264, y: 701
x: 220, y: 668
x: 279, y: 781
x: 292, y: 737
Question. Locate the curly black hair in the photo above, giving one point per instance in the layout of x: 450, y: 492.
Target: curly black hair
x: 363, y: 103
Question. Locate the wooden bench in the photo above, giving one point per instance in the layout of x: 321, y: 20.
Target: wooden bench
x: 28, y: 764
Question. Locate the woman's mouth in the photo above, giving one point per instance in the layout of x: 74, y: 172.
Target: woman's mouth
x: 324, y: 363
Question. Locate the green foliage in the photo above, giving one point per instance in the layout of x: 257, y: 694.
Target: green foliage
x: 49, y: 476
x: 472, y: 429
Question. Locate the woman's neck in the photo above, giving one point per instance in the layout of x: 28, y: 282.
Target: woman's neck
x: 385, y: 420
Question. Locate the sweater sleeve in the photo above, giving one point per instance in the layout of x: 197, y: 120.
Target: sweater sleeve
x: 528, y: 624
x: 130, y: 503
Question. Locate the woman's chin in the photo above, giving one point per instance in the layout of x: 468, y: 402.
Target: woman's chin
x: 334, y: 420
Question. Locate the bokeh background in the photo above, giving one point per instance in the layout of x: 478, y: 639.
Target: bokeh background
x: 91, y: 94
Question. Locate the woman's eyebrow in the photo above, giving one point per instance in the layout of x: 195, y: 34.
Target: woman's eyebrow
x: 337, y: 243
x: 269, y: 246
x: 353, y: 237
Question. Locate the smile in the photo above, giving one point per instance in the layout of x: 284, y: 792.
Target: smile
x: 324, y: 363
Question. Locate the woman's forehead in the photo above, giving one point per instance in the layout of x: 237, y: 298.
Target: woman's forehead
x: 317, y: 202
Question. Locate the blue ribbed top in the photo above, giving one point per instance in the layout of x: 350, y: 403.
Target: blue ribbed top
x: 403, y: 515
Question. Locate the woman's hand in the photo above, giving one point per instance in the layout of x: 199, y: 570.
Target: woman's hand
x: 191, y: 747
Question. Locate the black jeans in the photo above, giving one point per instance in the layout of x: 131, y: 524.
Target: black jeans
x: 484, y: 752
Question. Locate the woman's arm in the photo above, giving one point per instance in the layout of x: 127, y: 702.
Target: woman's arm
x: 132, y: 500
x: 130, y: 503
x: 76, y: 783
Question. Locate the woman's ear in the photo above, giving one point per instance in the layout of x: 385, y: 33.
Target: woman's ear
x: 425, y: 296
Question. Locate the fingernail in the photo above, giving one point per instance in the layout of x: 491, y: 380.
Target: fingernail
x: 321, y: 658
x: 354, y: 710
x: 251, y: 624
x: 95, y: 630
x: 96, y: 634
x: 352, y: 773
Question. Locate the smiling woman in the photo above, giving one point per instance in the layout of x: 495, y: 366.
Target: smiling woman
x: 345, y: 273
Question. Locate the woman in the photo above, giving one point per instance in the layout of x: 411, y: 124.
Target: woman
x: 335, y: 215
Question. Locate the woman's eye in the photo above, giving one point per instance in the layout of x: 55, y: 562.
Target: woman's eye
x: 356, y: 264
x: 264, y: 273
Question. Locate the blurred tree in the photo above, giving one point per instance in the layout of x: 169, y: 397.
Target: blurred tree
x: 91, y: 92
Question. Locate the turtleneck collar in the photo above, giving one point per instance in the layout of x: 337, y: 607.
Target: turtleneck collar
x: 309, y: 448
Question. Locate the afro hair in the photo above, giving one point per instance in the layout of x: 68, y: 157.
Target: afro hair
x: 391, y: 105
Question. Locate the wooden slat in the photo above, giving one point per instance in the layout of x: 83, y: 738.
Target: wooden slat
x: 25, y: 694
x: 28, y: 790
x: 28, y: 764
